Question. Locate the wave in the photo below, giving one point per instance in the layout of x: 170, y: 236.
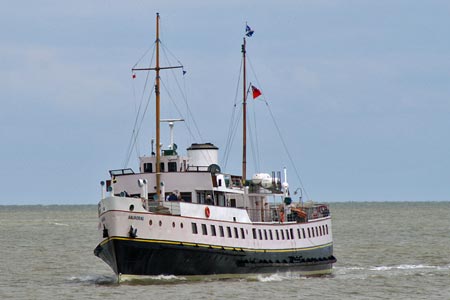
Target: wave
x: 392, y: 267
x: 59, y: 224
x: 149, y: 280
x: 406, y: 267
x: 94, y: 279
x: 280, y: 277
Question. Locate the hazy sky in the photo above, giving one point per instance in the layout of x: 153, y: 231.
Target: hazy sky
x: 360, y: 90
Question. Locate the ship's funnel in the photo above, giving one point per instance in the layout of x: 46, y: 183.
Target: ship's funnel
x: 201, y: 156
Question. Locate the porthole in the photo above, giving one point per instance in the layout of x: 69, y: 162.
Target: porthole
x: 173, y: 224
x: 160, y: 223
x: 150, y: 222
x: 181, y: 225
x: 131, y: 207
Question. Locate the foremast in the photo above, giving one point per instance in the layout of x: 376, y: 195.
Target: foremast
x: 157, y: 69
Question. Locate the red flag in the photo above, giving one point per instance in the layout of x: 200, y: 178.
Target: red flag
x: 256, y: 92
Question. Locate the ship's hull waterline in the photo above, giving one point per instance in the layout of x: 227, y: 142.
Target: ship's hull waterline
x: 132, y: 256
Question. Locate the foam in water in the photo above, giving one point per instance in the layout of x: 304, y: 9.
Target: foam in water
x: 59, y: 224
x: 94, y: 279
x: 401, y: 267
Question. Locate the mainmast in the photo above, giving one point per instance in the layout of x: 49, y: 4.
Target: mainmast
x: 244, y: 117
x: 157, y: 68
x: 157, y: 117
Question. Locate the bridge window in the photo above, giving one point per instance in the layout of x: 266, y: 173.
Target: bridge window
x: 172, y: 166
x: 148, y: 168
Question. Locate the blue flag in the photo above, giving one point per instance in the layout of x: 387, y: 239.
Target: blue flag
x: 248, y: 31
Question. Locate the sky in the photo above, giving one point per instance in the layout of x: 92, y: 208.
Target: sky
x: 359, y: 90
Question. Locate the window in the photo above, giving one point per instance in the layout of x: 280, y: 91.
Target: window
x: 186, y: 196
x: 292, y: 233
x: 317, y: 231
x: 260, y: 234
x: 229, y: 231
x: 242, y: 233
x: 320, y: 230
x: 236, y: 235
x: 233, y: 202
x: 213, y: 230
x: 270, y: 234
x: 282, y: 234
x: 172, y: 166
x: 222, y: 234
x: 298, y: 233
x: 304, y: 235
x: 278, y: 235
x: 254, y: 233
x: 309, y: 233
x: 265, y: 234
x: 287, y: 234
x: 313, y: 233
x: 204, y: 230
x: 326, y: 227
x: 194, y: 228
x: 148, y: 168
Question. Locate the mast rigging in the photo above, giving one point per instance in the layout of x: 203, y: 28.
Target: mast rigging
x: 157, y: 68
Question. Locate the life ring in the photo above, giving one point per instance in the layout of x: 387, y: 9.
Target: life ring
x: 207, y: 212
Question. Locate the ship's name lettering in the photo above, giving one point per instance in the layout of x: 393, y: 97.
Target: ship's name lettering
x: 139, y: 218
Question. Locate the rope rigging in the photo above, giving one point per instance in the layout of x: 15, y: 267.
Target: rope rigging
x: 145, y: 102
x: 135, y: 132
x: 233, y: 123
x: 254, y: 142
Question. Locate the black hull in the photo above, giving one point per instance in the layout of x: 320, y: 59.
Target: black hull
x: 148, y: 257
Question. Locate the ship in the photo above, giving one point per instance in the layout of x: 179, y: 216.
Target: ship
x: 183, y: 215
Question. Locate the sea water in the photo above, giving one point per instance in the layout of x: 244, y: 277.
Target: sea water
x: 385, y: 251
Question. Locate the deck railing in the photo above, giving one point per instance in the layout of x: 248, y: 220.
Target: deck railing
x: 275, y: 213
